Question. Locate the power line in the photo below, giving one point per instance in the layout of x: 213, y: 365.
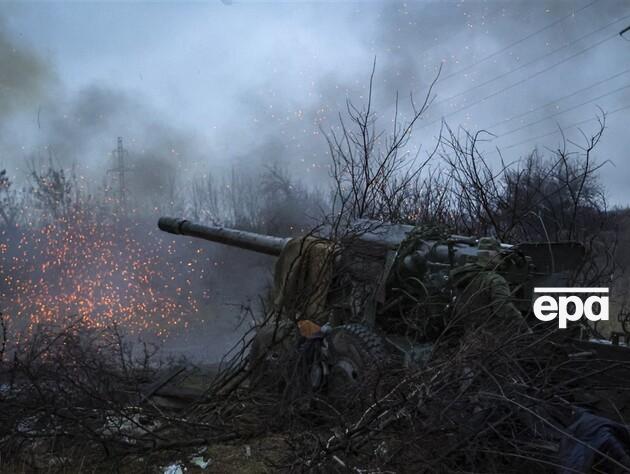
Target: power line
x: 529, y: 63
x: 517, y: 42
x: 577, y: 124
x: 544, y: 106
x: 522, y: 81
x: 490, y: 20
x: 564, y: 111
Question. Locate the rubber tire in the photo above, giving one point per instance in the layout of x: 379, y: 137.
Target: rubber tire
x: 357, y: 361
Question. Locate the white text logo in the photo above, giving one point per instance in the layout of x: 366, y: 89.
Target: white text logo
x: 570, y: 306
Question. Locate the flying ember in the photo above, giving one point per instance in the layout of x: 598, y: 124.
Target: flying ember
x: 105, y: 269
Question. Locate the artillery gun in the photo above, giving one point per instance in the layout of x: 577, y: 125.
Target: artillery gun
x: 382, y: 292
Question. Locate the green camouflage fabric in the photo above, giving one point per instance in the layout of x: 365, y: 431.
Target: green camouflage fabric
x: 483, y: 298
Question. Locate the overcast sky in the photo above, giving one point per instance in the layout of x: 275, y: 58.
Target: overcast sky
x: 197, y: 86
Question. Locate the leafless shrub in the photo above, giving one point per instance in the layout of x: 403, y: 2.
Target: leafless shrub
x: 372, y: 171
x: 9, y: 202
x: 474, y: 407
x: 69, y: 389
x: 269, y: 201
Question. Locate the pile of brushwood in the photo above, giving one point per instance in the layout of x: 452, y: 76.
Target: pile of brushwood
x: 73, y: 397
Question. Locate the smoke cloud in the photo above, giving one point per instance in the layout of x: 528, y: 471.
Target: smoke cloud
x: 24, y: 76
x: 201, y: 87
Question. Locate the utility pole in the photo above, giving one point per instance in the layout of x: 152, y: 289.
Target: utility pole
x: 119, y: 170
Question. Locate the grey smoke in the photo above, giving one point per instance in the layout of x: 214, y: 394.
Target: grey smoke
x: 207, y: 86
x: 24, y: 75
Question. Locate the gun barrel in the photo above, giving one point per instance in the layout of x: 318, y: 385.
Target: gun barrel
x: 266, y: 244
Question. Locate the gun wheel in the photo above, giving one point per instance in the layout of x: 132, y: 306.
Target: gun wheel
x: 357, y: 359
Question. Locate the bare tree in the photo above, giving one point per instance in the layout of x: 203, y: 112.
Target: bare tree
x: 9, y: 202
x: 373, y: 171
x: 52, y: 190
